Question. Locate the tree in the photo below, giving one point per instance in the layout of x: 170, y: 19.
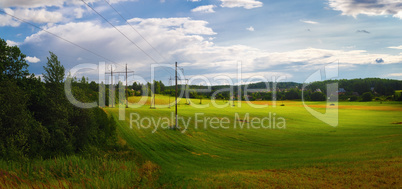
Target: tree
x: 54, y: 70
x: 318, y: 96
x: 12, y: 62
x: 157, y: 85
x: 57, y: 109
x: 367, y: 96
x: 136, y: 86
x: 17, y: 125
x: 36, y: 119
x: 162, y: 86
x: 93, y: 86
x: 400, y: 97
x: 292, y: 94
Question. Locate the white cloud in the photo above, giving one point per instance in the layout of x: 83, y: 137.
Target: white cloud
x: 309, y: 22
x: 396, y: 47
x: 32, y: 59
x: 166, y: 35
x: 12, y: 43
x: 187, y: 41
x: 247, y: 4
x: 313, y: 56
x: 372, y: 7
x: 394, y: 75
x: 31, y: 3
x: 78, y: 12
x: 204, y: 9
x: 34, y: 15
x: 48, y: 3
x: 266, y: 74
x: 251, y: 28
x: 182, y: 25
x: 6, y: 20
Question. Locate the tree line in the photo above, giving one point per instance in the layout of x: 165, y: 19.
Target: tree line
x: 37, y: 120
x: 349, y: 90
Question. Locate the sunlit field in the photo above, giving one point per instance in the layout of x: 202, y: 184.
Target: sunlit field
x: 363, y: 150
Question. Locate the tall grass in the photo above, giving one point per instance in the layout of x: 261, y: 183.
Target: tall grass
x: 78, y: 172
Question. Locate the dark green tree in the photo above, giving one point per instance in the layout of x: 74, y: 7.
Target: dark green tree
x: 367, y: 96
x: 318, y: 96
x: 57, y: 109
x: 20, y: 134
x: 292, y: 94
x: 12, y: 62
x: 54, y: 71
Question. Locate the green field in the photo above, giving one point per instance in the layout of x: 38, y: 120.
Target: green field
x: 365, y: 149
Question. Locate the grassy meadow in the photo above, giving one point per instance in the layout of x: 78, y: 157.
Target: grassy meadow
x: 364, y: 150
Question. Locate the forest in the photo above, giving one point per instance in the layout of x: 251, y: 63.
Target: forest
x: 36, y: 119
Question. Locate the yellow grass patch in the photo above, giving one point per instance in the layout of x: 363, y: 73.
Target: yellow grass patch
x: 365, y: 174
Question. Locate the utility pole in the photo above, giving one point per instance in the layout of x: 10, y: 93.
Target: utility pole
x: 177, y: 88
x: 153, y: 97
x: 170, y: 84
x: 200, y: 97
x: 112, y: 87
x: 187, y: 91
x: 126, y: 89
x: 176, y: 93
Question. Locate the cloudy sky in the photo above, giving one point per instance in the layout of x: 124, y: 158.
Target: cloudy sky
x: 286, y: 38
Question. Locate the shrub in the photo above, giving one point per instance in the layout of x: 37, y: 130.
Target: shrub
x: 353, y: 98
x: 367, y: 96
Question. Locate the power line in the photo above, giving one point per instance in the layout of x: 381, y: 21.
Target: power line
x: 55, y: 35
x: 127, y: 36
x: 119, y: 31
x: 135, y: 30
x: 112, y: 84
x: 75, y: 44
x: 130, y: 14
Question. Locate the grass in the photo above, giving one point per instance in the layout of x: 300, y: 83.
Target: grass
x: 363, y: 174
x: 364, y: 150
x: 78, y: 172
x: 207, y: 157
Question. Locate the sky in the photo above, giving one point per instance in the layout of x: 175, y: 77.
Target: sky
x: 282, y: 40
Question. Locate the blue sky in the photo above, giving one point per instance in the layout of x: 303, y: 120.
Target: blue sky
x: 288, y: 39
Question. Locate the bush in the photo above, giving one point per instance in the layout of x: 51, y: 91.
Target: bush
x: 367, y: 96
x: 353, y: 98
